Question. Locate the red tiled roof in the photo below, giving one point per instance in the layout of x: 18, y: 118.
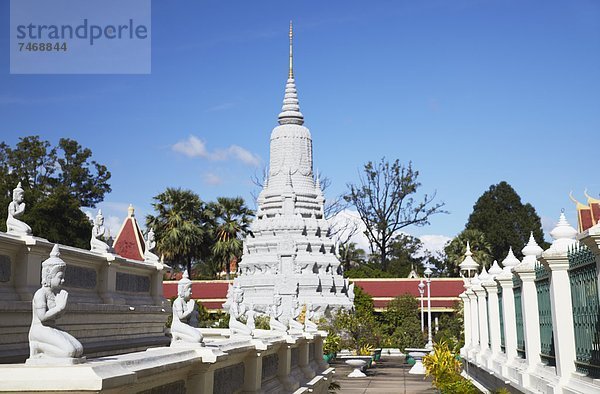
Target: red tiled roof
x: 201, y: 289
x: 443, y: 287
x: 444, y: 291
x: 129, y: 242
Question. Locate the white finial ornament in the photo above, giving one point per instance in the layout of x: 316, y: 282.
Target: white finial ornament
x: 484, y: 276
x: 564, y: 236
x: 468, y: 265
x: 495, y: 269
x: 510, y: 261
x: 532, y: 248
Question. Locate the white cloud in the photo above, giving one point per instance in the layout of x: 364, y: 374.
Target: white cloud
x: 113, y: 225
x: 220, y: 107
x: 434, y: 242
x: 192, y: 147
x: 195, y: 147
x: 212, y: 179
x: 347, y: 223
x: 244, y: 156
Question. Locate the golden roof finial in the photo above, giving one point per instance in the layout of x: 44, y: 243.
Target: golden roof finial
x: 577, y: 203
x: 591, y: 200
x: 291, y: 74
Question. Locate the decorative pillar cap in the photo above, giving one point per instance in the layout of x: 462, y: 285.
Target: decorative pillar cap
x: 564, y: 237
x: 468, y: 265
x: 494, y: 269
x: 510, y: 261
x: 484, y: 276
x: 531, y: 252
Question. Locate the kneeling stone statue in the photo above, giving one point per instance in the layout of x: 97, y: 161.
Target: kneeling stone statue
x: 47, y: 344
x: 184, y: 308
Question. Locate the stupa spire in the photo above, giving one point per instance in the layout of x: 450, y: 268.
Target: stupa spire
x: 291, y: 74
x: 290, y: 111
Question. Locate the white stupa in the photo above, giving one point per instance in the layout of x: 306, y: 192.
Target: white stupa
x: 290, y: 251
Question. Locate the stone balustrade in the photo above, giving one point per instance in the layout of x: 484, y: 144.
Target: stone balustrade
x: 543, y: 315
x: 115, y: 304
x: 265, y: 364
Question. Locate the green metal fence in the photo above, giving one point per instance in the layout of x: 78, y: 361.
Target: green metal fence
x: 517, y: 283
x: 542, y: 284
x: 502, y: 343
x: 583, y: 276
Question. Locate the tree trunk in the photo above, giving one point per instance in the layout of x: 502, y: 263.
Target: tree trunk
x: 227, y: 268
x: 384, y: 256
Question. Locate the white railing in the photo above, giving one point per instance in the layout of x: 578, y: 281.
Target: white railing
x: 493, y: 366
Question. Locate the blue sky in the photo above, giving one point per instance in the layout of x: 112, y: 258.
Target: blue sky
x: 473, y: 92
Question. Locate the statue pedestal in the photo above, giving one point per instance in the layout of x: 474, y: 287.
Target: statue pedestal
x: 54, y: 361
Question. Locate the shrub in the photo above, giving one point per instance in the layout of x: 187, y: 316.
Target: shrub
x: 444, y: 368
x: 332, y: 343
x: 262, y: 322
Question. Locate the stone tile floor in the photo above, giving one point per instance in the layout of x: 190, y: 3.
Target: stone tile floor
x: 389, y: 376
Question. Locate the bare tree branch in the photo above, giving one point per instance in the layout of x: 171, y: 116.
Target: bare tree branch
x: 384, y: 199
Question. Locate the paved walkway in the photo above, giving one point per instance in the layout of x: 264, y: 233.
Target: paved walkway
x: 389, y: 376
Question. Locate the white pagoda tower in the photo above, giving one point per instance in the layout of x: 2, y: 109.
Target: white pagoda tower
x: 290, y: 251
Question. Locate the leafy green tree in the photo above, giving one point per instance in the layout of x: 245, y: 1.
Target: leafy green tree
x: 363, y: 302
x: 455, y: 250
x: 58, y: 182
x: 179, y: 226
x: 401, y: 322
x: 385, y: 201
x: 358, y: 328
x: 367, y: 270
x: 233, y: 220
x: 84, y: 180
x: 59, y: 218
x: 406, y: 254
x: 505, y: 221
x: 351, y: 255
x: 451, y: 328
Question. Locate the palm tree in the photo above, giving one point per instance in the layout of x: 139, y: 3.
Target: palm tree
x: 232, y: 223
x: 455, y: 250
x: 178, y: 226
x: 350, y: 254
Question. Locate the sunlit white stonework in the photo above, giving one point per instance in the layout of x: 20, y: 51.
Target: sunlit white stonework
x: 290, y: 251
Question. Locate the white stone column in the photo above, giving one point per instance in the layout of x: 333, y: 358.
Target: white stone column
x: 253, y: 373
x: 505, y: 280
x: 491, y: 287
x: 556, y: 260
x: 467, y: 323
x: 284, y: 368
x: 303, y: 360
x: 474, y: 349
x: 483, y: 325
x: 529, y: 305
x: 27, y: 268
